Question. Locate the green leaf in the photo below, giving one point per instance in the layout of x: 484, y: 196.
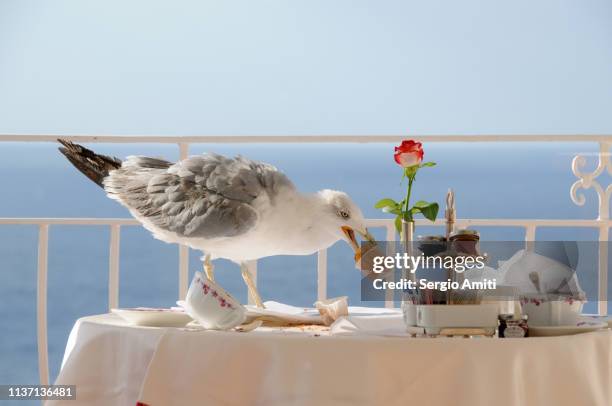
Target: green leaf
x: 385, y: 203
x: 415, y: 210
x: 424, y: 164
x: 388, y: 209
x: 398, y: 224
x: 430, y: 212
x: 408, y: 216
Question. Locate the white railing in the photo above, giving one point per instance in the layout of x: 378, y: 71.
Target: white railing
x: 585, y: 181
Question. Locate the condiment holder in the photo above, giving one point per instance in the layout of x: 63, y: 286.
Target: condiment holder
x: 450, y: 312
x: 436, y: 318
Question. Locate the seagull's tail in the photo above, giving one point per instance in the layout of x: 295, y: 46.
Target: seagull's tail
x: 95, y: 166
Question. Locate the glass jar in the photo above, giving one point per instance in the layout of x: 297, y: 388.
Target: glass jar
x: 465, y: 241
x: 511, y: 327
x: 431, y: 245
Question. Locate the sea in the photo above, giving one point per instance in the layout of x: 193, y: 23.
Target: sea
x: 501, y: 180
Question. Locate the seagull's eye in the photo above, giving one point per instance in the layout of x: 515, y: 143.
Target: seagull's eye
x: 344, y: 214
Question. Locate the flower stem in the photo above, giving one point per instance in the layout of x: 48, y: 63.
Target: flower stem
x: 408, y: 216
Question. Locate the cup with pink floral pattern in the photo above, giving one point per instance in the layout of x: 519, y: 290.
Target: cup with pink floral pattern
x: 552, y: 310
x: 211, y: 306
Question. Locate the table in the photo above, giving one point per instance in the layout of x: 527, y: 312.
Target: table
x: 115, y: 364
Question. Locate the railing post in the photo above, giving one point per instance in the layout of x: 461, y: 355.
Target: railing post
x: 183, y: 271
x: 113, y: 267
x: 391, y: 236
x: 183, y: 150
x: 41, y: 304
x: 322, y: 274
x: 602, y: 307
x: 252, y: 269
x: 530, y: 235
x: 183, y: 277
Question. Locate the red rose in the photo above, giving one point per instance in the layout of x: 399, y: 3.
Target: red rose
x: 409, y: 153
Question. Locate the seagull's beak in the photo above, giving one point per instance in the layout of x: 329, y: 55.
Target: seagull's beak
x: 350, y: 237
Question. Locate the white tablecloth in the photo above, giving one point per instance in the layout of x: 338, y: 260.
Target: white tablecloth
x: 115, y: 364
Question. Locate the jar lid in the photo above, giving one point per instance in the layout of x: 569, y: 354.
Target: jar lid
x: 465, y: 231
x: 465, y: 235
x: 436, y: 238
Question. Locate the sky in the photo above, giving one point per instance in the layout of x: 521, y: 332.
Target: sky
x: 305, y: 67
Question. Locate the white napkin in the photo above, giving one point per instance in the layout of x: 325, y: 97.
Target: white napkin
x: 370, y: 321
x: 552, y: 274
x: 281, y: 313
x: 332, y: 309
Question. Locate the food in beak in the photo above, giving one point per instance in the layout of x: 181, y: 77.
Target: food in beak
x: 369, y: 237
x: 369, y: 251
x: 350, y: 235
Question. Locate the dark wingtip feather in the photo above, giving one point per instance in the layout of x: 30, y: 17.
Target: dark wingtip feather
x: 95, y: 166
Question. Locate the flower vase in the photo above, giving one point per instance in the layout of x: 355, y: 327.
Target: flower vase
x: 409, y: 300
x: 407, y: 235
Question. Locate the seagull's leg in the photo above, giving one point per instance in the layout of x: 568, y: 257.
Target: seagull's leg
x: 246, y: 275
x: 208, y: 268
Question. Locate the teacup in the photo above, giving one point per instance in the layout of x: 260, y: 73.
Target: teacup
x: 551, y: 311
x: 212, y: 306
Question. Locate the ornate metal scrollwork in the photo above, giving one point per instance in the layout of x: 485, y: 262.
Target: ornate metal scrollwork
x: 588, y: 180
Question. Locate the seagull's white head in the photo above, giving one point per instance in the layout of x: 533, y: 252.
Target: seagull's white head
x: 343, y: 218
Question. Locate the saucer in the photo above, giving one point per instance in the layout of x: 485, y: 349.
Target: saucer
x: 279, y: 314
x: 153, y: 317
x: 584, y: 325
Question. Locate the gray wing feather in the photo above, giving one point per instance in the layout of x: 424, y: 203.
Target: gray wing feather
x: 204, y: 196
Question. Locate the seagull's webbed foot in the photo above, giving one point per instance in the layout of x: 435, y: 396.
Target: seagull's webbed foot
x: 253, y: 292
x: 208, y: 268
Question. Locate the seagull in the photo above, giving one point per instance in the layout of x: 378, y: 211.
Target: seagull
x: 233, y: 208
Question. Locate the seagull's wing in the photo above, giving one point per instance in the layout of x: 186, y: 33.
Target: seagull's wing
x: 204, y: 196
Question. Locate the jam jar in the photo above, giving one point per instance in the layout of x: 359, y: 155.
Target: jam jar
x: 511, y: 327
x: 465, y: 241
x: 431, y: 245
